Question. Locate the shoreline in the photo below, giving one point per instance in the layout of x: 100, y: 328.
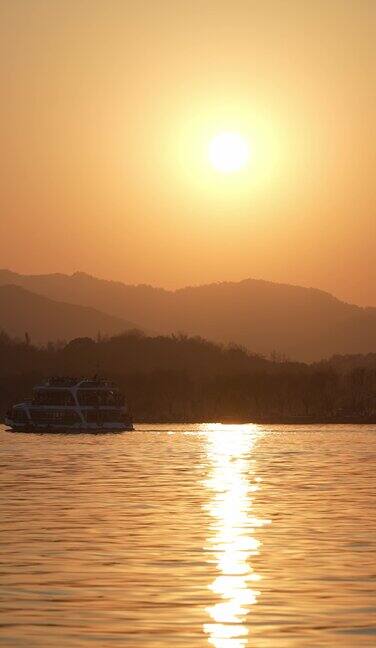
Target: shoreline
x: 265, y: 420
x: 268, y: 420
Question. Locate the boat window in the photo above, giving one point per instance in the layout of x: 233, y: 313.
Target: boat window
x: 91, y: 383
x: 53, y: 397
x: 93, y: 397
x: 119, y: 399
x: 104, y: 416
x: 88, y: 397
x: 112, y: 397
x: 91, y: 416
x: 54, y: 417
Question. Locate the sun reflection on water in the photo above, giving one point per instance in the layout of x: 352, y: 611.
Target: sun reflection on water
x: 232, y: 484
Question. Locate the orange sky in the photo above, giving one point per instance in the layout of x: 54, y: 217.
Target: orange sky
x: 106, y: 112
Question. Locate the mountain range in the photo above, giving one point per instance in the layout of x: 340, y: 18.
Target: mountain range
x: 44, y: 319
x: 302, y: 323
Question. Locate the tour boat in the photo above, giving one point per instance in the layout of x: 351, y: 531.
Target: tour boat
x: 72, y: 405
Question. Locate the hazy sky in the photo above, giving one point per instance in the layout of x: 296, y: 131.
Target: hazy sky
x: 107, y: 110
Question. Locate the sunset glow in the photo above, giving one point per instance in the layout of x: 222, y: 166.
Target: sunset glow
x: 257, y: 117
x: 228, y: 152
x: 187, y: 323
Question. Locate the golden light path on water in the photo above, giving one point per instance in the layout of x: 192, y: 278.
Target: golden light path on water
x: 232, y: 484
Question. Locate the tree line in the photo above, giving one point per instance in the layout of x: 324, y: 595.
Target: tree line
x: 182, y: 378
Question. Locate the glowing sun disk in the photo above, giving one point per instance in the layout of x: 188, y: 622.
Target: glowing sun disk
x: 228, y: 152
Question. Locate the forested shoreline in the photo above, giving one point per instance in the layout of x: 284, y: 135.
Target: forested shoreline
x: 179, y: 378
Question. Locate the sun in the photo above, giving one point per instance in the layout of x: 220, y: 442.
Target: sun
x: 228, y: 152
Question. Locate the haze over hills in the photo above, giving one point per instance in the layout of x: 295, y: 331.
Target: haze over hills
x: 303, y: 323
x: 44, y: 319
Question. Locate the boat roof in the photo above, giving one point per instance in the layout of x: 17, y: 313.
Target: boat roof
x: 64, y: 382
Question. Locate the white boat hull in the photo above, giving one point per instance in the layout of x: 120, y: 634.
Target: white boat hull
x: 74, y: 429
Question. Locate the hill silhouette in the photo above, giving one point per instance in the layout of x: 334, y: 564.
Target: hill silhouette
x: 303, y: 323
x: 44, y: 319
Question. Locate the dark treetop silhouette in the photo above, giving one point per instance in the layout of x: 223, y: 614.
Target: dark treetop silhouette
x: 180, y: 378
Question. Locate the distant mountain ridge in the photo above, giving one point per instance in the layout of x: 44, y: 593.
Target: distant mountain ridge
x: 303, y: 323
x: 44, y: 319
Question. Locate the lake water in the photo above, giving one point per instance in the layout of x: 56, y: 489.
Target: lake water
x: 223, y: 536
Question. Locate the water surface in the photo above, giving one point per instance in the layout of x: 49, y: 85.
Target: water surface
x: 189, y: 536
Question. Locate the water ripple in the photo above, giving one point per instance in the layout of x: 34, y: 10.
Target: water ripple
x: 189, y: 536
